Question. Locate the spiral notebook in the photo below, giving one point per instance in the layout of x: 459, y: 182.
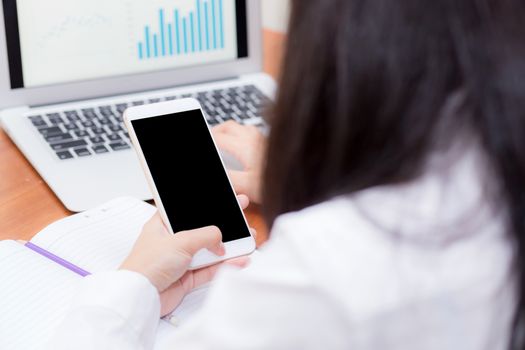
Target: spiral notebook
x: 39, y: 280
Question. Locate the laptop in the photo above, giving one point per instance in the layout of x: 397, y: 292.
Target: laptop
x: 69, y: 69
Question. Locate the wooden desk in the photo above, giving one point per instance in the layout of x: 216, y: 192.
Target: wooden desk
x: 27, y: 205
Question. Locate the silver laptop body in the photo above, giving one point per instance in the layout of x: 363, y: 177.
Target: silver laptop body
x: 69, y: 68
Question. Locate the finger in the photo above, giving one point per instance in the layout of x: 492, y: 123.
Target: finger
x: 241, y: 261
x: 243, y: 200
x: 205, y: 275
x: 218, y: 249
x: 156, y: 225
x: 239, y: 180
x: 229, y: 127
x: 235, y: 146
x: 192, y: 241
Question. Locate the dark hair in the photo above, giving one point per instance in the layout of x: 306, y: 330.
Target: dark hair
x: 362, y: 91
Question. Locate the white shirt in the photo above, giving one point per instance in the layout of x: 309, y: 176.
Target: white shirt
x: 425, y: 265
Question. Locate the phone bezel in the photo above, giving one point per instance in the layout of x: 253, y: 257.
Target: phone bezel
x: 236, y: 248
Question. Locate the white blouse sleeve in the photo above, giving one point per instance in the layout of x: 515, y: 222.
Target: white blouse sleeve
x: 272, y: 304
x: 113, y: 310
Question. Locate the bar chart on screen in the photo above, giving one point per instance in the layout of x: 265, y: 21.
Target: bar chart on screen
x: 176, y: 33
x: 80, y: 40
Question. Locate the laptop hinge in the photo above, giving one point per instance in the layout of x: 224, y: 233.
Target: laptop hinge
x: 160, y: 89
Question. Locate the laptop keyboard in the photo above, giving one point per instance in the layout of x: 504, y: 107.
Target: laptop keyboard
x: 97, y: 130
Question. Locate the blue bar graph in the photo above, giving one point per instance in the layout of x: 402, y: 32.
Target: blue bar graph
x: 199, y: 30
x: 207, y: 30
x: 162, y: 32
x: 140, y: 51
x: 170, y: 39
x: 192, y: 31
x: 185, y: 35
x: 221, y: 25
x: 177, y: 31
x: 213, y: 24
x: 146, y: 34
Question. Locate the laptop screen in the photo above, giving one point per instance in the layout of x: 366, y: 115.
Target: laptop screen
x: 61, y: 41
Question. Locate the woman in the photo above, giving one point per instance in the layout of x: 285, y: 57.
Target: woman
x: 393, y: 184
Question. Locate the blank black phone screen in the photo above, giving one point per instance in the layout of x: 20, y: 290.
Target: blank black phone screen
x: 188, y: 174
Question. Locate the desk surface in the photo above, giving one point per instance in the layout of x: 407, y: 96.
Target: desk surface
x: 27, y: 205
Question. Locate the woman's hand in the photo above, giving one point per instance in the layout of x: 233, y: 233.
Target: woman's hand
x: 164, y: 258
x: 247, y: 144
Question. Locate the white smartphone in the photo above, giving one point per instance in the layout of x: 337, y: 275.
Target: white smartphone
x: 187, y: 176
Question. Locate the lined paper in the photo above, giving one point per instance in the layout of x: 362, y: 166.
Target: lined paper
x: 99, y: 239
x: 34, y: 296
x: 35, y: 292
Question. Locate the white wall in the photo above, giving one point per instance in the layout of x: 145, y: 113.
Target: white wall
x: 275, y: 14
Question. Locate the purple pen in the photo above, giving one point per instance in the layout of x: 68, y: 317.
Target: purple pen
x: 57, y: 259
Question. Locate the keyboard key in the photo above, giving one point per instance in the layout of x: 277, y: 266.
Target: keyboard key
x: 137, y: 103
x: 96, y: 139
x: 88, y: 124
x: 66, y: 145
x: 117, y: 146
x: 50, y: 131
x: 72, y: 116
x: 98, y: 131
x: 89, y: 113
x: 56, y: 121
x: 115, y: 128
x: 122, y: 107
x: 73, y: 119
x: 81, y: 133
x: 58, y: 137
x: 106, y: 111
x: 243, y: 116
x: 82, y: 152
x: 64, y: 155
x: 53, y: 115
x: 111, y: 114
x: 98, y: 149
x: 171, y: 98
x: 127, y: 135
x: 39, y: 123
x: 71, y: 126
x: 71, y: 113
x: 104, y: 121
x: 244, y: 107
x: 114, y: 137
x: 35, y: 117
x: 154, y: 100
